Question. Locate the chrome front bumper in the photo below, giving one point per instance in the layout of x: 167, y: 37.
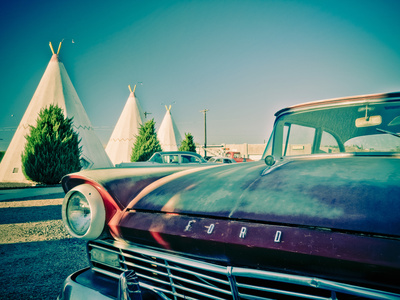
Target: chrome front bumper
x: 85, y: 284
x: 89, y: 285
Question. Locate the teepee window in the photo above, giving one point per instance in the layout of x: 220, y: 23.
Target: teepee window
x: 85, y: 162
x: 15, y: 170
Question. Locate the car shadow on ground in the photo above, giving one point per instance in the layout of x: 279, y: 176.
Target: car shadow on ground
x: 37, y: 270
x: 14, y: 215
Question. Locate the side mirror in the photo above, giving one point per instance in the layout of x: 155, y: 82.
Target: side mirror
x: 269, y: 160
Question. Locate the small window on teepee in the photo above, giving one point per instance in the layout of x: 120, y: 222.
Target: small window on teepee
x: 85, y: 162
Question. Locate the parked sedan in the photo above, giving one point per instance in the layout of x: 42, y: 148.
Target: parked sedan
x: 167, y: 158
x: 317, y: 218
x: 221, y: 160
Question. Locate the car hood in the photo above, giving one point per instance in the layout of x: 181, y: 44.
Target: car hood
x: 360, y: 194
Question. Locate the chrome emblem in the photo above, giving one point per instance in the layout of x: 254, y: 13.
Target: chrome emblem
x: 278, y: 236
x: 210, y: 228
x: 189, y: 225
x: 243, y: 232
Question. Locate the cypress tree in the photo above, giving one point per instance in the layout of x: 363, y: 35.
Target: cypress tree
x: 146, y: 143
x: 188, y: 143
x: 52, y: 149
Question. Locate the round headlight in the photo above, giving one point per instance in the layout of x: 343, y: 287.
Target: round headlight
x: 83, y: 212
x: 78, y: 213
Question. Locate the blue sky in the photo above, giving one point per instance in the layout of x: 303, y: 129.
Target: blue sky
x: 242, y: 60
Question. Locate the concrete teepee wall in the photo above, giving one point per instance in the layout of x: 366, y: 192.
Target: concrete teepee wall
x: 168, y: 133
x: 119, y: 147
x: 56, y: 88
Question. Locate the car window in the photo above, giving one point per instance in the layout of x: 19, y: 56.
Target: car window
x: 190, y: 159
x: 299, y: 140
x: 156, y: 158
x: 227, y: 161
x: 212, y: 159
x: 373, y: 143
x: 328, y: 144
x: 171, y: 159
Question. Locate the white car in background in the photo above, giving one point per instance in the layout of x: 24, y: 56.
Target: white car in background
x: 221, y: 160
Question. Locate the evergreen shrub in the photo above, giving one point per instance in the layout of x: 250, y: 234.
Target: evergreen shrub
x: 188, y: 143
x: 52, y: 149
x: 146, y: 143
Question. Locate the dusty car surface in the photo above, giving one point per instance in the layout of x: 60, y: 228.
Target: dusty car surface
x: 318, y: 218
x: 167, y: 158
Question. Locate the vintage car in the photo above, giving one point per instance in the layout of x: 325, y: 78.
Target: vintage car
x: 221, y: 160
x: 167, y: 158
x: 237, y: 156
x: 317, y: 218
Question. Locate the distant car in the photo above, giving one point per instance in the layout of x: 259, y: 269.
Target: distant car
x: 317, y: 218
x: 237, y: 156
x: 167, y: 158
x: 221, y: 160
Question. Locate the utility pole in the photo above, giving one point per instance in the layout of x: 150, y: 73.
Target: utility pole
x: 205, y: 130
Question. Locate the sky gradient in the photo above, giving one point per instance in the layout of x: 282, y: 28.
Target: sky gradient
x: 241, y: 60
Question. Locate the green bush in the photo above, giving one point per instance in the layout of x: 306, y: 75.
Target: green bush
x: 146, y: 143
x: 52, y: 149
x: 188, y: 143
x: 1, y: 155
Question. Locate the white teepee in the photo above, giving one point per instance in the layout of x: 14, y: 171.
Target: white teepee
x: 168, y: 133
x: 119, y: 147
x: 55, y: 88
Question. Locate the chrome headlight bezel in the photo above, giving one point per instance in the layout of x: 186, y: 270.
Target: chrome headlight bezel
x: 92, y: 203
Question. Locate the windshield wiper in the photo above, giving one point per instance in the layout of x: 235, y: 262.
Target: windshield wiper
x: 388, y: 132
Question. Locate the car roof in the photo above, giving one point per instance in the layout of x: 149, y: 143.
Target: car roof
x: 178, y: 152
x: 386, y: 97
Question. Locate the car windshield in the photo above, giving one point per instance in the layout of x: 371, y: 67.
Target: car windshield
x: 173, y: 158
x: 372, y: 128
x: 156, y: 158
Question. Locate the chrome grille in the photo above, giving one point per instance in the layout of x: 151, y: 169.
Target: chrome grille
x: 182, y: 278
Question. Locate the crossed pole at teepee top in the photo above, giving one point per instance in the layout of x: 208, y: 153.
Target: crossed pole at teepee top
x: 59, y: 46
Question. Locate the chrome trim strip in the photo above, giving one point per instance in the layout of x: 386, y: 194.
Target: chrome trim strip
x: 170, y: 280
x: 147, y: 269
x: 232, y: 283
x: 168, y: 267
x: 108, y: 273
x: 175, y: 293
x: 104, y: 248
x: 198, y: 293
x: 151, y: 288
x: 276, y: 291
x: 209, y: 286
x: 177, y: 259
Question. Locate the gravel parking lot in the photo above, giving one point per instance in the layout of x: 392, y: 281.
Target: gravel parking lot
x: 36, y: 252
